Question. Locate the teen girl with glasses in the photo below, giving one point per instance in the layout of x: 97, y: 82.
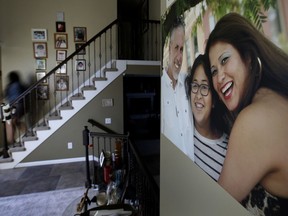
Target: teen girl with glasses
x: 210, y: 141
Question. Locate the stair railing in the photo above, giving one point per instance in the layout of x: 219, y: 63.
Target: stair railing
x: 100, y: 126
x: 45, y: 99
x: 140, y: 189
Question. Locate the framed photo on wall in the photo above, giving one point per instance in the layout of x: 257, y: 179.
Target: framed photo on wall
x: 40, y: 49
x: 39, y: 34
x: 61, y: 55
x: 82, y: 51
x: 43, y: 92
x: 61, y: 40
x: 62, y: 69
x: 60, y: 27
x: 40, y: 64
x: 62, y: 83
x: 80, y: 34
x: 80, y: 64
x: 40, y: 75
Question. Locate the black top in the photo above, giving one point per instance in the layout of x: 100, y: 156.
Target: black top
x: 261, y: 202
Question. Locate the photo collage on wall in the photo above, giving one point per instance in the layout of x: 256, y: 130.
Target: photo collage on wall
x: 61, y: 46
x: 80, y: 37
x: 60, y: 40
x: 40, y: 53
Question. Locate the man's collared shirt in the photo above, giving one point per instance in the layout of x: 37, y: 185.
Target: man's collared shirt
x: 176, y: 115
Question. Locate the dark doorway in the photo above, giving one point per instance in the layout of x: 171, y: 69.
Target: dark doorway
x: 142, y: 106
x: 131, y: 15
x: 142, y: 118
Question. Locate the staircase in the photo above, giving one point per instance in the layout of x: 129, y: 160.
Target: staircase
x: 44, y: 117
x: 19, y: 153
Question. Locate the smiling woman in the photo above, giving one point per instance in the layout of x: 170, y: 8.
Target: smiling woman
x: 210, y: 141
x: 228, y: 67
x: 250, y: 76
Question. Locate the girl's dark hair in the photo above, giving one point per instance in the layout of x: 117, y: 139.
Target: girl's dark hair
x: 217, y: 113
x: 252, y: 44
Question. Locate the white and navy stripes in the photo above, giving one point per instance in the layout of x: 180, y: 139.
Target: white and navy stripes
x: 210, y: 154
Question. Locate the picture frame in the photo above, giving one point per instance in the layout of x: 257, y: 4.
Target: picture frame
x: 40, y: 75
x: 62, y: 69
x: 60, y: 27
x: 80, y: 65
x: 42, y: 92
x: 40, y: 64
x: 82, y: 51
x: 40, y: 49
x: 80, y: 34
x: 61, y: 40
x: 61, y: 55
x: 39, y: 34
x: 60, y: 16
x: 62, y: 83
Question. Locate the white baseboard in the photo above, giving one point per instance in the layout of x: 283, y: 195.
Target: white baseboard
x: 58, y: 161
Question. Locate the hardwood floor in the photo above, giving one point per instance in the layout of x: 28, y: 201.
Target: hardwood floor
x: 42, y: 178
x: 67, y: 175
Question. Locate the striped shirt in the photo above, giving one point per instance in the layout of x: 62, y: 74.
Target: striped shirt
x: 210, y: 154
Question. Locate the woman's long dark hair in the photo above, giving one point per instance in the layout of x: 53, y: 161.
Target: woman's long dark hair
x: 252, y: 44
x: 217, y: 121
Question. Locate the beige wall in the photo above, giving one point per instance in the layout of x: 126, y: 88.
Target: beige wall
x: 18, y: 17
x: 55, y: 147
x: 187, y: 190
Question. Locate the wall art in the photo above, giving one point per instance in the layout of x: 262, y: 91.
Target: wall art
x: 62, y: 83
x: 39, y: 34
x: 80, y: 34
x: 61, y: 40
x: 40, y: 49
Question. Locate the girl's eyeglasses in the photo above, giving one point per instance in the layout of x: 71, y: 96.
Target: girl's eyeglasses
x: 204, y: 89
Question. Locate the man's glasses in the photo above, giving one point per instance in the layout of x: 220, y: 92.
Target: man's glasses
x: 204, y: 89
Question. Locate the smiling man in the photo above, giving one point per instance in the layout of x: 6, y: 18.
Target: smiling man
x: 176, y: 120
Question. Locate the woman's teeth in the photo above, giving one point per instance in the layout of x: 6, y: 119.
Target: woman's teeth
x: 198, y: 105
x: 226, y: 87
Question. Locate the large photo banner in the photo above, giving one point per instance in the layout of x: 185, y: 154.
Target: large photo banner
x: 223, y: 65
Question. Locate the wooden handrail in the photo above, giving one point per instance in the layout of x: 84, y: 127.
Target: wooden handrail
x: 100, y: 126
